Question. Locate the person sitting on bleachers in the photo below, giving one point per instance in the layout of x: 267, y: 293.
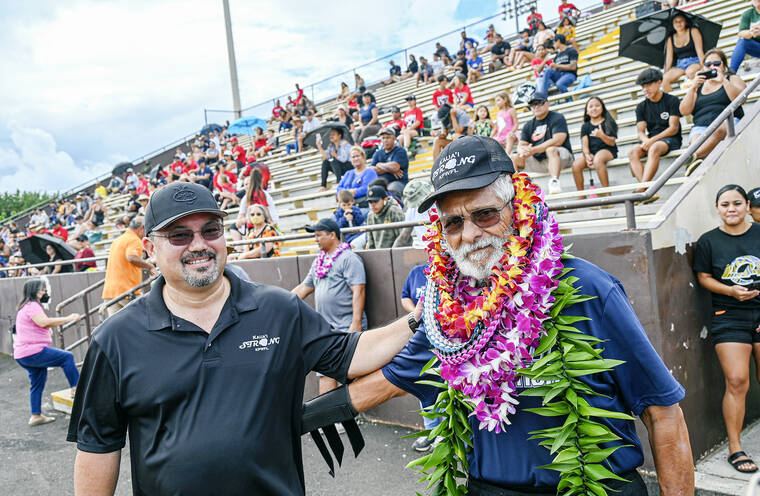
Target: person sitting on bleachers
x: 382, y: 211
x: 499, y: 53
x: 707, y: 98
x: 396, y: 123
x: 395, y: 74
x: 115, y: 184
x: 533, y: 20
x: 567, y: 29
x: 297, y: 130
x: 458, y: 127
x: 443, y: 53
x: 238, y: 152
x: 544, y: 142
x: 413, y: 121
x: 749, y: 36
x: 489, y: 38
x: 259, y: 225
x: 276, y: 112
x: 523, y: 51
x: 475, y: 67
x: 684, y: 52
x: 540, y: 62
x: 391, y: 162
x: 370, y: 123
x: 658, y: 125
x: 212, y: 152
x: 425, y: 72
x: 357, y: 180
x: 271, y: 143
x: 348, y: 214
x: 345, y: 92
x: 443, y: 94
x: 562, y: 71
x: 462, y: 94
x: 336, y: 158
x: 411, y: 69
x: 483, y: 126
x: 598, y: 142
x: 542, y: 35
x: 204, y: 175
x: 460, y: 64
x: 311, y: 123
x: 225, y: 188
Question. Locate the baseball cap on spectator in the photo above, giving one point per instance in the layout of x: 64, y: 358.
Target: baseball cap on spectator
x: 538, y: 96
x: 471, y: 162
x: 754, y: 197
x: 233, y: 140
x: 386, y: 130
x: 649, y: 75
x: 410, y: 97
x: 228, y: 152
x: 561, y: 38
x: 327, y: 225
x: 444, y: 114
x: 395, y: 109
x: 415, y: 191
x: 143, y: 197
x: 177, y: 200
x: 376, y: 193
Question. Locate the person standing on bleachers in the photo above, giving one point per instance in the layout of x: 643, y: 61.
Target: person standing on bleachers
x: 533, y: 20
x: 544, y: 142
x: 658, y: 123
x: 391, y: 162
x: 562, y: 70
x: 684, y: 52
x: 749, y: 36
x: 707, y: 98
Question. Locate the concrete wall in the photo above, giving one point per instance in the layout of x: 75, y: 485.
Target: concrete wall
x: 659, y: 283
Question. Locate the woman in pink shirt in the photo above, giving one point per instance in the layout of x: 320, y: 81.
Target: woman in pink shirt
x: 31, y: 346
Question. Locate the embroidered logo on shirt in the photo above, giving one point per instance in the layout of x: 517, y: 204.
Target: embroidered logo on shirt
x: 664, y: 116
x: 261, y: 342
x: 743, y: 270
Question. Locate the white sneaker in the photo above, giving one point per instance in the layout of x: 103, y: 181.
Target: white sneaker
x: 554, y: 186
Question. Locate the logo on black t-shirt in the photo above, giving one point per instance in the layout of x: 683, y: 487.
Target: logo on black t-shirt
x: 743, y: 270
x: 664, y: 116
x: 538, y: 133
x: 260, y: 342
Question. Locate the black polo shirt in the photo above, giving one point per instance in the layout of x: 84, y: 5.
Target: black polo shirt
x: 207, y: 413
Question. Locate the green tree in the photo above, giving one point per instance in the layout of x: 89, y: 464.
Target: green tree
x: 12, y: 203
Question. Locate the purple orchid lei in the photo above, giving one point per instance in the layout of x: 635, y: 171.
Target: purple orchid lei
x: 325, y: 262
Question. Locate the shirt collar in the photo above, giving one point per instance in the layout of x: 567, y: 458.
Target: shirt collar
x: 242, y: 298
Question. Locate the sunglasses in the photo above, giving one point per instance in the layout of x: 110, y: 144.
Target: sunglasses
x: 716, y: 63
x: 256, y: 214
x: 483, y: 218
x: 183, y: 237
x: 536, y: 103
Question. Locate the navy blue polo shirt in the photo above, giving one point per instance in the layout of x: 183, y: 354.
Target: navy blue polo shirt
x: 510, y: 458
x: 398, y: 155
x: 207, y: 413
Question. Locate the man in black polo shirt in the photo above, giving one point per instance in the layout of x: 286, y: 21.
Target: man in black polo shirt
x: 658, y: 122
x: 499, y: 53
x: 207, y: 371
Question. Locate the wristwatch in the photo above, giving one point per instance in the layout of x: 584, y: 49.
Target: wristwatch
x: 413, y: 323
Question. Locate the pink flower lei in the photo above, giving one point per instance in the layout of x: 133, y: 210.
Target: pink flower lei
x: 483, y: 340
x: 325, y: 262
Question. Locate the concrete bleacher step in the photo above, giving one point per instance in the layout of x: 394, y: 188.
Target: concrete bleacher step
x: 63, y: 400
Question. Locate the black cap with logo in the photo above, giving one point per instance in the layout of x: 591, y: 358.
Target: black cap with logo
x: 327, y: 225
x: 754, y: 197
x: 470, y: 162
x: 376, y: 193
x: 178, y: 200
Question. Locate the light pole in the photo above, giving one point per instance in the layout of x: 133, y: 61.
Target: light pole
x: 515, y: 8
x: 231, y: 59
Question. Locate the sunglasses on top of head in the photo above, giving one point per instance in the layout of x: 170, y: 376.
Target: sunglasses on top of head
x: 483, y: 218
x: 183, y: 237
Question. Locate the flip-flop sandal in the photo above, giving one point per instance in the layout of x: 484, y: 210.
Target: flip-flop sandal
x: 41, y: 421
x: 736, y: 463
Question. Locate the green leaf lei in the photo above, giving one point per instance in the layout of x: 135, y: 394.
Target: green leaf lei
x: 568, y: 354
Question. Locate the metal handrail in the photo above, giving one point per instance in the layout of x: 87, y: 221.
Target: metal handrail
x: 629, y: 199
x: 53, y: 264
x: 71, y: 299
x: 86, y: 316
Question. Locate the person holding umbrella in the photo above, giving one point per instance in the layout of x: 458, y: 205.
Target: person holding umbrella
x: 684, y: 51
x: 336, y: 157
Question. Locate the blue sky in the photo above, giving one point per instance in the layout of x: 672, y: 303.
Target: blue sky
x: 89, y: 83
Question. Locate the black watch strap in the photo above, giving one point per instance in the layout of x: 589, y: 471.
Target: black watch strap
x: 413, y: 323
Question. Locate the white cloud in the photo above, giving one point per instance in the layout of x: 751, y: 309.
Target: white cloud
x: 32, y: 162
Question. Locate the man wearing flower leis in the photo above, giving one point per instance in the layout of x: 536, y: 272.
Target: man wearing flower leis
x: 496, y: 271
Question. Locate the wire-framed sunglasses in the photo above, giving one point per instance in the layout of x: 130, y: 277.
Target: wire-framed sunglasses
x: 482, y: 217
x: 183, y: 237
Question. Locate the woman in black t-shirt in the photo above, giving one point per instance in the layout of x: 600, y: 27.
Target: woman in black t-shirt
x: 727, y: 263
x: 707, y: 98
x: 598, y: 141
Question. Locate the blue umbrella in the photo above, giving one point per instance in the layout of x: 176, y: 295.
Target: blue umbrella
x: 246, y: 125
x: 210, y: 127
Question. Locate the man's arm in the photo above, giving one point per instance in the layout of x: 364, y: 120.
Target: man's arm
x: 372, y: 390
x: 357, y: 307
x: 671, y: 130
x: 669, y: 440
x: 96, y: 474
x: 302, y: 291
x: 555, y: 140
x: 378, y: 346
x: 138, y: 261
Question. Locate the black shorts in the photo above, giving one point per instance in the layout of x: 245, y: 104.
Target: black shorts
x: 730, y: 325
x: 672, y: 142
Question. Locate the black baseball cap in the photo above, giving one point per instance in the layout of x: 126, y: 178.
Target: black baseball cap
x: 470, y: 162
x: 444, y: 114
x: 538, y: 96
x: 376, y: 193
x: 754, y: 197
x: 178, y: 200
x: 327, y: 225
x: 410, y: 97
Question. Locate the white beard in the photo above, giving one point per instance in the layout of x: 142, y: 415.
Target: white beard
x: 478, y: 266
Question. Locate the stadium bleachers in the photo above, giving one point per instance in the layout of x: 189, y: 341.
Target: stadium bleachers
x: 295, y: 177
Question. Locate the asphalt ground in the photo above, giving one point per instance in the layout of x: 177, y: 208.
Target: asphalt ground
x: 38, y: 460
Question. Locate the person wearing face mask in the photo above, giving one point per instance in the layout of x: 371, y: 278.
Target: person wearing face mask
x: 32, y: 346
x: 727, y: 263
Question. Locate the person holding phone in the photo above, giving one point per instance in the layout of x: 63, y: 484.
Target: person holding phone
x: 727, y: 263
x: 712, y: 91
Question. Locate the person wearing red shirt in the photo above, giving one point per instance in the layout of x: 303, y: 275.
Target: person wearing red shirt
x: 84, y: 251
x: 397, y: 122
x: 60, y: 231
x: 175, y: 168
x: 462, y: 94
x: 413, y: 121
x: 142, y: 184
x: 443, y: 94
x: 276, y: 110
x: 299, y: 96
x: 259, y: 139
x: 567, y: 9
x: 238, y: 152
x: 533, y: 19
